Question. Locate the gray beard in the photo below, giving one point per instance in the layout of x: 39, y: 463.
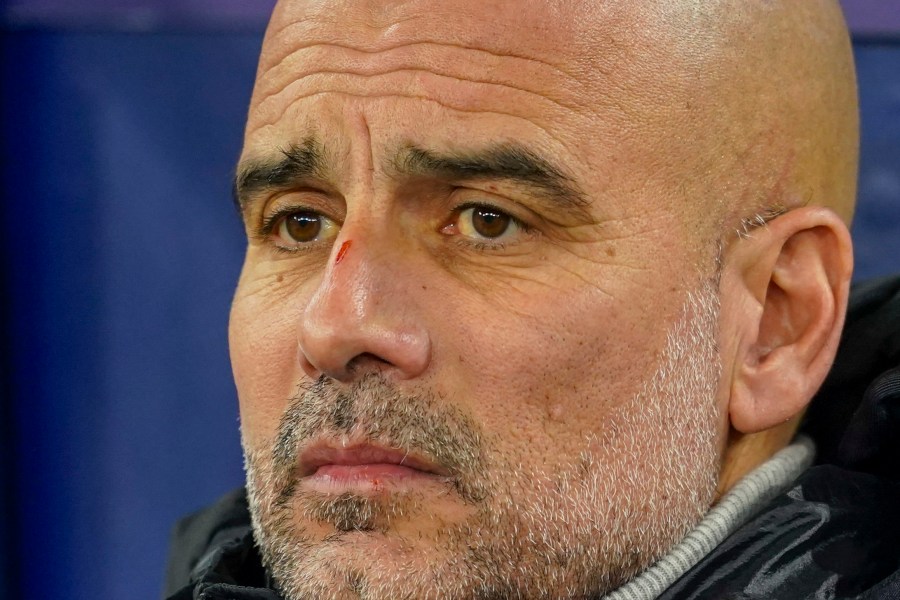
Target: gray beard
x: 576, y: 528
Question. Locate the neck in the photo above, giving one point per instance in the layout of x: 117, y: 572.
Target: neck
x: 746, y: 451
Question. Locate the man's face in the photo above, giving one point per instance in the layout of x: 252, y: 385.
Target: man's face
x: 474, y: 339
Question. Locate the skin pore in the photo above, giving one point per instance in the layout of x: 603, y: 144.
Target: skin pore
x: 580, y: 266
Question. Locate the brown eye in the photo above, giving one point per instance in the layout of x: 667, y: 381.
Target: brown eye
x: 486, y: 223
x: 304, y: 227
x: 489, y: 223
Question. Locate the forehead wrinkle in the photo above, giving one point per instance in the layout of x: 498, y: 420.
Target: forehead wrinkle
x: 376, y: 49
x: 421, y: 59
x: 276, y: 94
x: 494, y: 28
x: 460, y: 109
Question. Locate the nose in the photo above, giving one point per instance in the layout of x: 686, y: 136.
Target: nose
x: 361, y: 318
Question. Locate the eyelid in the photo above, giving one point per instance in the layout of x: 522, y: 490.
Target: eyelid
x: 270, y: 222
x: 515, y: 205
x: 488, y: 204
x: 289, y: 206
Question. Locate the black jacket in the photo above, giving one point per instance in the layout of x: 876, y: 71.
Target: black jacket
x: 834, y: 535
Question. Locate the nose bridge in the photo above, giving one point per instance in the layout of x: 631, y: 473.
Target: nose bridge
x: 356, y: 316
x: 348, y: 294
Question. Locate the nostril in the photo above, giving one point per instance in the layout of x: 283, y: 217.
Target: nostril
x: 311, y: 370
x: 366, y: 362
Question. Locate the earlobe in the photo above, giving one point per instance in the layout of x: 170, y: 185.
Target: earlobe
x: 791, y: 278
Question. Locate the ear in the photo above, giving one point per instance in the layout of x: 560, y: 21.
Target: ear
x: 784, y: 296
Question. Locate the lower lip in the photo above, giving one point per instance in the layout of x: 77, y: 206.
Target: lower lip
x: 368, y: 477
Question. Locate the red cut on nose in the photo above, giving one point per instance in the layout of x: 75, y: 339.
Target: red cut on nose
x: 342, y: 252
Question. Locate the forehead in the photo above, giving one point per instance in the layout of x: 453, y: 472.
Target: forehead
x: 544, y: 60
x: 429, y: 57
x: 502, y: 26
x: 489, y: 30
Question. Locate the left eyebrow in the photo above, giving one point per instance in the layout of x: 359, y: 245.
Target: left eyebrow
x: 511, y: 162
x: 296, y: 163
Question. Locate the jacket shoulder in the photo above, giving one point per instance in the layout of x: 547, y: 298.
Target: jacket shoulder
x: 193, y: 535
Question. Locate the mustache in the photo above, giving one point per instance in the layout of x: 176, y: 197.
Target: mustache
x: 374, y: 409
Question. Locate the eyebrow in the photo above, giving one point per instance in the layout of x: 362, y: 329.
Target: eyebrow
x: 508, y: 161
x: 295, y: 163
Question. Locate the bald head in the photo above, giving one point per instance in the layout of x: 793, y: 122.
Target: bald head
x: 782, y: 102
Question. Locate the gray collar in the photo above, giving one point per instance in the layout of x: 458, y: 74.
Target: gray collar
x: 735, y: 508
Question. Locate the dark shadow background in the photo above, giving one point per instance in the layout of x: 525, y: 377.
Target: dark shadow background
x: 119, y: 126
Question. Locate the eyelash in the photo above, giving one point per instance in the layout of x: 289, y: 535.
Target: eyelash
x: 269, y: 223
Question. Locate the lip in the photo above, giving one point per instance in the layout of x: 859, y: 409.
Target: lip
x: 356, y: 460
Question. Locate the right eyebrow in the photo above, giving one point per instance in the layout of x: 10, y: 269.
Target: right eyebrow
x: 295, y: 164
x: 506, y: 161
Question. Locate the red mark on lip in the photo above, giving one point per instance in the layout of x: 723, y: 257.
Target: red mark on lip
x: 342, y: 252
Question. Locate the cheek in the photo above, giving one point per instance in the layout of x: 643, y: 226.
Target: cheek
x: 548, y: 371
x: 264, y: 359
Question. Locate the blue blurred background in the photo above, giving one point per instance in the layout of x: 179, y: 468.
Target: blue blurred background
x: 119, y: 126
